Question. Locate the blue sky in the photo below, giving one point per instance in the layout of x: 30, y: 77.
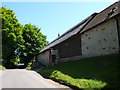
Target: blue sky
x: 54, y: 17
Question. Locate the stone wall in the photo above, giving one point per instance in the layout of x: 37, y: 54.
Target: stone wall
x: 44, y: 58
x: 101, y: 40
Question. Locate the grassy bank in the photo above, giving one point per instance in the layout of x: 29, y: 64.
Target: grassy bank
x: 98, y: 72
x: 2, y: 67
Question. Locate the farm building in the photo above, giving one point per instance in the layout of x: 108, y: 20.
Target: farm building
x: 98, y: 34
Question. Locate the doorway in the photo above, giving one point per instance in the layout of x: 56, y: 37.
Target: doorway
x: 53, y: 58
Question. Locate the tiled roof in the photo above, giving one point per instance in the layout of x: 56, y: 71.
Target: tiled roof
x: 104, y: 15
x: 86, y: 24
x: 72, y: 31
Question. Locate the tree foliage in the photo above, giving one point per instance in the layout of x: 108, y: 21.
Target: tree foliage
x: 11, y: 36
x: 19, y: 43
x: 34, y: 42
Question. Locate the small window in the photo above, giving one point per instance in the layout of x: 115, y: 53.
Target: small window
x: 87, y: 47
x: 105, y: 40
x: 113, y: 48
x: 103, y: 48
x: 89, y: 38
x: 112, y: 11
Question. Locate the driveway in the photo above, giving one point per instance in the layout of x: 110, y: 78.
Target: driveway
x: 24, y: 79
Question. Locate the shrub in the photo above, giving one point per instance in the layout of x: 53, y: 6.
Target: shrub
x: 29, y: 66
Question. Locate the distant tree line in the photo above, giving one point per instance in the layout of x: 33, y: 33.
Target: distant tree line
x: 20, y: 43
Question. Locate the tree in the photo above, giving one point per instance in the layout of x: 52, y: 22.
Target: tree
x: 19, y: 43
x: 34, y: 42
x: 11, y: 37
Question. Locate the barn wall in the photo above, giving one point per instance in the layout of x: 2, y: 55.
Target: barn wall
x: 44, y: 58
x: 119, y: 30
x: 100, y: 40
x: 119, y: 23
x: 69, y: 48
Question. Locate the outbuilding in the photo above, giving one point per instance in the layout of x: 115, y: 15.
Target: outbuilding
x: 98, y: 34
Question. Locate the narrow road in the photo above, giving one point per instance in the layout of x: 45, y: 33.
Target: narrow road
x: 24, y: 79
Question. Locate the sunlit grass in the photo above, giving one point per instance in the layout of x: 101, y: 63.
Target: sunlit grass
x: 98, y: 72
x: 2, y: 67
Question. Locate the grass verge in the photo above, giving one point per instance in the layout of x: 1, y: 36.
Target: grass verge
x: 98, y: 72
x: 2, y: 67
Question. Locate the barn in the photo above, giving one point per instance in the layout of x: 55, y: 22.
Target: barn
x: 98, y: 34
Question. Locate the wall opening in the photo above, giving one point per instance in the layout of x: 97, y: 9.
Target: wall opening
x: 53, y: 58
x: 118, y: 30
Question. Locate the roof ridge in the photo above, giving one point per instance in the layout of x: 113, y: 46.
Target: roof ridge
x: 68, y: 33
x: 75, y: 26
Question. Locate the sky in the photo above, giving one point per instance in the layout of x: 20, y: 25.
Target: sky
x: 54, y: 17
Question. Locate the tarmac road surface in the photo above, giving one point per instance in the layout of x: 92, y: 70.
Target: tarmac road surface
x: 16, y: 78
